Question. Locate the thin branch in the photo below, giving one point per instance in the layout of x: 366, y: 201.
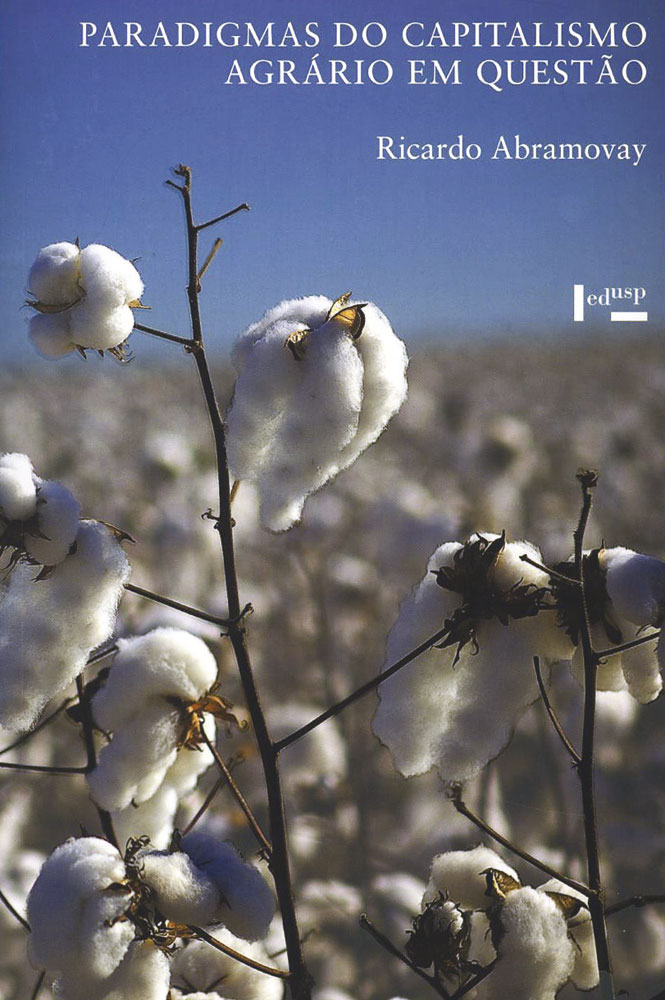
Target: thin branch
x: 101, y: 654
x: 463, y: 809
x: 209, y: 259
x: 393, y: 950
x: 588, y: 480
x: 249, y: 962
x: 38, y: 985
x: 89, y: 739
x: 203, y: 809
x: 45, y: 768
x: 168, y: 602
x: 602, y: 654
x: 550, y: 572
x: 364, y: 689
x: 552, y: 714
x: 220, y: 218
x: 239, y: 797
x: 14, y: 912
x: 162, y: 336
x: 41, y: 725
x: 474, y: 981
x: 299, y: 978
x: 636, y: 901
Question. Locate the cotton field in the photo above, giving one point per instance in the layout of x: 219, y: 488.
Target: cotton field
x: 488, y: 440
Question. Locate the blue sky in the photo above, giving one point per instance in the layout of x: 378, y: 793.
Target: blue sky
x: 448, y: 249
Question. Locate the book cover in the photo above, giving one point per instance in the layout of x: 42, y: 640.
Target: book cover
x: 490, y: 174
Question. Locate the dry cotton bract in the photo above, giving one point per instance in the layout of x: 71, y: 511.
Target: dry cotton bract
x: 317, y: 383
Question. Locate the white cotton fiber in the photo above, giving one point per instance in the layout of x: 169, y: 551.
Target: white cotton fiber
x: 635, y: 585
x: 132, y: 766
x: 458, y: 716
x: 57, y: 524
x: 294, y: 423
x: 385, y: 362
x: 83, y: 298
x: 77, y: 871
x: 110, y: 281
x: 246, y: 903
x: 585, y: 970
x: 153, y: 818
x: 166, y: 662
x: 182, y: 892
x: 458, y: 874
x: 54, y: 276
x: 50, y: 335
x: 18, y: 494
x: 98, y: 329
x: 417, y: 701
x: 536, y: 956
x: 198, y: 970
x: 143, y: 974
x: 49, y: 627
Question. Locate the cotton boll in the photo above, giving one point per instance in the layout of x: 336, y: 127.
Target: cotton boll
x: 318, y: 419
x: 54, y: 276
x: 50, y: 334
x: 74, y: 873
x: 460, y: 715
x: 458, y: 874
x: 166, y: 662
x: 635, y: 584
x: 57, y: 520
x: 198, y: 965
x: 48, y: 628
x: 294, y: 422
x: 182, y: 892
x: 536, y: 956
x: 133, y: 765
x: 18, y: 496
x: 246, y: 904
x: 110, y: 281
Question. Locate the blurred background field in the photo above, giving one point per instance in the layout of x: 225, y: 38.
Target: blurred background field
x: 490, y: 438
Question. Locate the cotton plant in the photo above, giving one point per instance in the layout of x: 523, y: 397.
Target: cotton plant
x: 39, y: 519
x: 456, y: 706
x: 477, y: 916
x: 151, y: 706
x: 83, y: 299
x: 48, y: 627
x: 317, y: 382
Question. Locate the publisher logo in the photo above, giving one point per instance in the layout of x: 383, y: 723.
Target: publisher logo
x: 623, y: 304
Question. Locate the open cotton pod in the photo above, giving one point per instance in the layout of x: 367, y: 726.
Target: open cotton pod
x: 83, y: 299
x: 317, y: 383
x: 456, y: 705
